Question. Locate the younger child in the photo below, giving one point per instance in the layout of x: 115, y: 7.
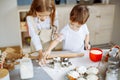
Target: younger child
x: 75, y: 35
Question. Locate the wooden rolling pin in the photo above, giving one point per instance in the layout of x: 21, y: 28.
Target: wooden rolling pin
x: 66, y: 55
x: 61, y: 54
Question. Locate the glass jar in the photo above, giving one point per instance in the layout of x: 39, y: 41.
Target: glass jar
x: 102, y: 70
x: 112, y: 74
x: 113, y: 52
x: 112, y: 69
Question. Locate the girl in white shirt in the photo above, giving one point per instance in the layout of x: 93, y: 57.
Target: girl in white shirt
x: 75, y: 35
x: 43, y: 14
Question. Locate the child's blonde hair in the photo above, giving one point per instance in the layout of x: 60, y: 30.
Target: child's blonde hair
x: 80, y: 14
x: 43, y: 6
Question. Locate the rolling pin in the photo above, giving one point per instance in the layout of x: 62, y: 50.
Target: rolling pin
x: 66, y: 55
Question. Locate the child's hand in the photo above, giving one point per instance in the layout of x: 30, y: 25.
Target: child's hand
x: 42, y: 62
x: 87, y: 46
x: 46, y: 54
x: 41, y: 59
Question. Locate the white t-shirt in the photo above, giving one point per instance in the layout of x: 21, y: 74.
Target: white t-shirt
x: 40, y: 25
x: 74, y: 40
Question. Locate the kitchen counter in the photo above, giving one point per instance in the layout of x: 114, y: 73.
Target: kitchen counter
x: 58, y: 73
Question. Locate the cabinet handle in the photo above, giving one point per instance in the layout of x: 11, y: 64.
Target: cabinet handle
x: 98, y: 16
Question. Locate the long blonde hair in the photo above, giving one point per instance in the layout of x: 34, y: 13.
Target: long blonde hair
x: 42, y: 6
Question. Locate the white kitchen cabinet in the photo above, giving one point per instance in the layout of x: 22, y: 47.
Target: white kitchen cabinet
x: 63, y: 14
x: 22, y: 11
x: 100, y: 22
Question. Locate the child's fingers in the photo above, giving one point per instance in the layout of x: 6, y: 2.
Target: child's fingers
x: 89, y: 47
x: 41, y: 62
x: 46, y: 55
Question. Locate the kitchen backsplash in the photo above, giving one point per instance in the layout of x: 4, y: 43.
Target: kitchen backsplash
x: 28, y: 2
x: 23, y: 2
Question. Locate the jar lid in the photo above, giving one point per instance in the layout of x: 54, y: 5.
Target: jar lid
x: 3, y: 73
x: 113, y: 60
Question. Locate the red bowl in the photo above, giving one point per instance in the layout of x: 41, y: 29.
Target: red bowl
x: 95, y: 54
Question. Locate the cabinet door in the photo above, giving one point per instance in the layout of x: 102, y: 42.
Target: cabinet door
x: 104, y: 36
x: 93, y: 23
x: 100, y: 23
x: 104, y: 31
x: 107, y: 16
x: 25, y: 38
x: 63, y: 15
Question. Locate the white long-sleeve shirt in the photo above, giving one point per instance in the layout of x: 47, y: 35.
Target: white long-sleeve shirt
x: 39, y: 25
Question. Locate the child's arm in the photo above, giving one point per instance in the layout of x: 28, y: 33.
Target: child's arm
x: 87, y: 45
x: 47, y: 52
x: 51, y: 46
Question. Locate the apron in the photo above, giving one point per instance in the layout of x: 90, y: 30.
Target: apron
x: 45, y: 35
